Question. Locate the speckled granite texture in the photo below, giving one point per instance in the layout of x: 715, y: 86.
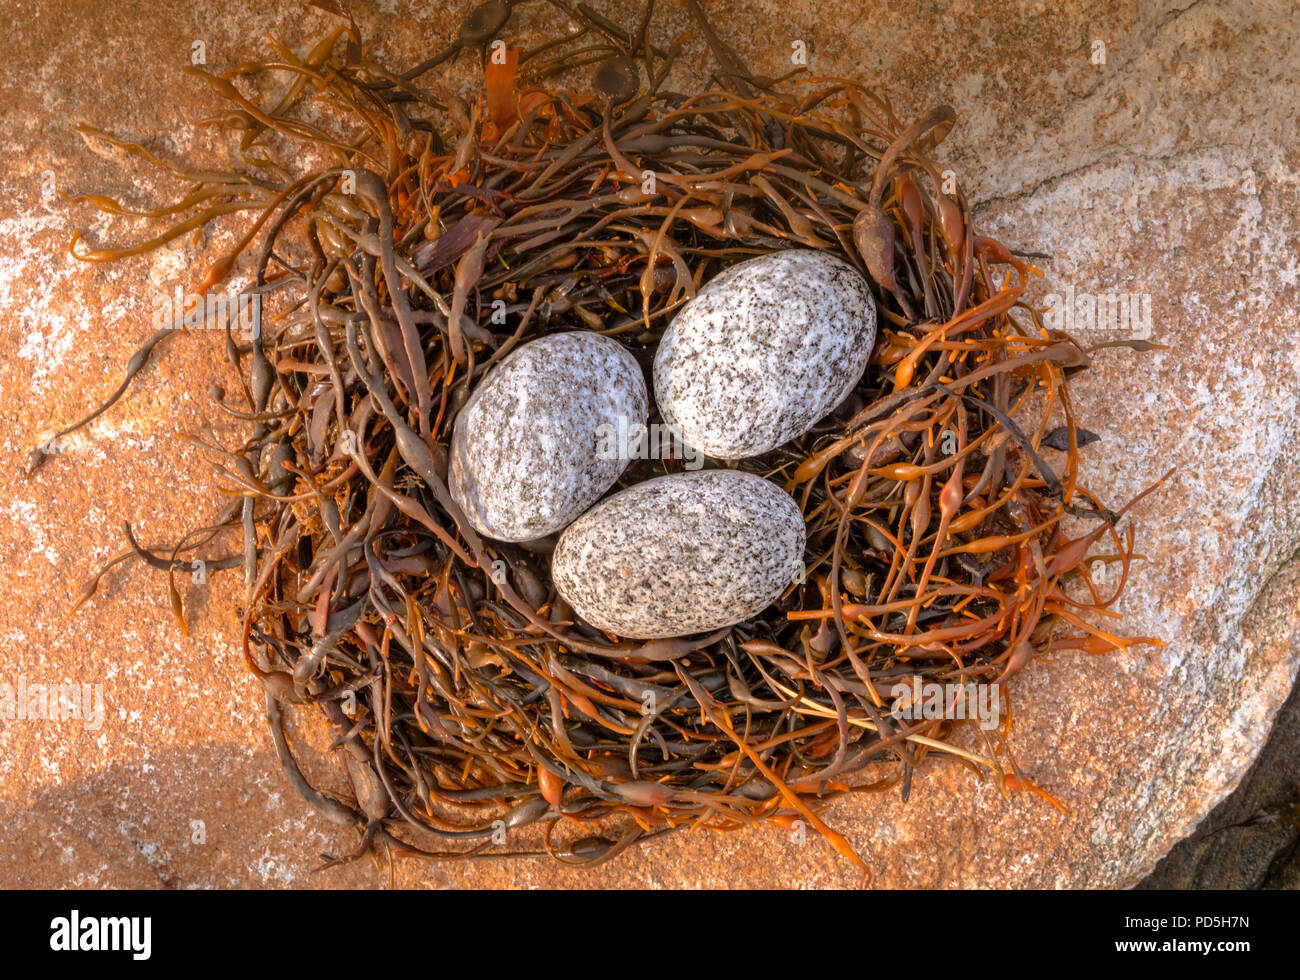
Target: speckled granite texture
x: 681, y: 554
x: 527, y: 453
x: 766, y: 349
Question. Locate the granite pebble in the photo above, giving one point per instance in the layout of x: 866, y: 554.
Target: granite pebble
x: 765, y: 349
x: 681, y: 554
x: 526, y: 454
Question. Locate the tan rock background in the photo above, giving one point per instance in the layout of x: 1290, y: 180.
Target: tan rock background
x: 1169, y: 170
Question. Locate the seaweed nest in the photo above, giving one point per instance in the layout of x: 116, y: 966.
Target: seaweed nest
x: 431, y: 235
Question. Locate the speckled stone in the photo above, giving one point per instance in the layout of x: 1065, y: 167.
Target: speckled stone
x: 764, y: 350
x: 681, y: 554
x: 526, y: 453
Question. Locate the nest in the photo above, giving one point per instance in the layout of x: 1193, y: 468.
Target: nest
x: 474, y: 716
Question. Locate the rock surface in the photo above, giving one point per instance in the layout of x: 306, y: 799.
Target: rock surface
x: 1169, y: 170
x: 681, y: 554
x: 532, y: 448
x: 1251, y: 839
x: 764, y: 350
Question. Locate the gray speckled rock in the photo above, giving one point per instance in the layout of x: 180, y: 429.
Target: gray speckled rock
x: 681, y: 554
x: 764, y: 350
x: 526, y: 453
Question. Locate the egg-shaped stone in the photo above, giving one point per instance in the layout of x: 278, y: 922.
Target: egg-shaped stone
x: 764, y: 350
x: 531, y: 449
x: 681, y: 554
